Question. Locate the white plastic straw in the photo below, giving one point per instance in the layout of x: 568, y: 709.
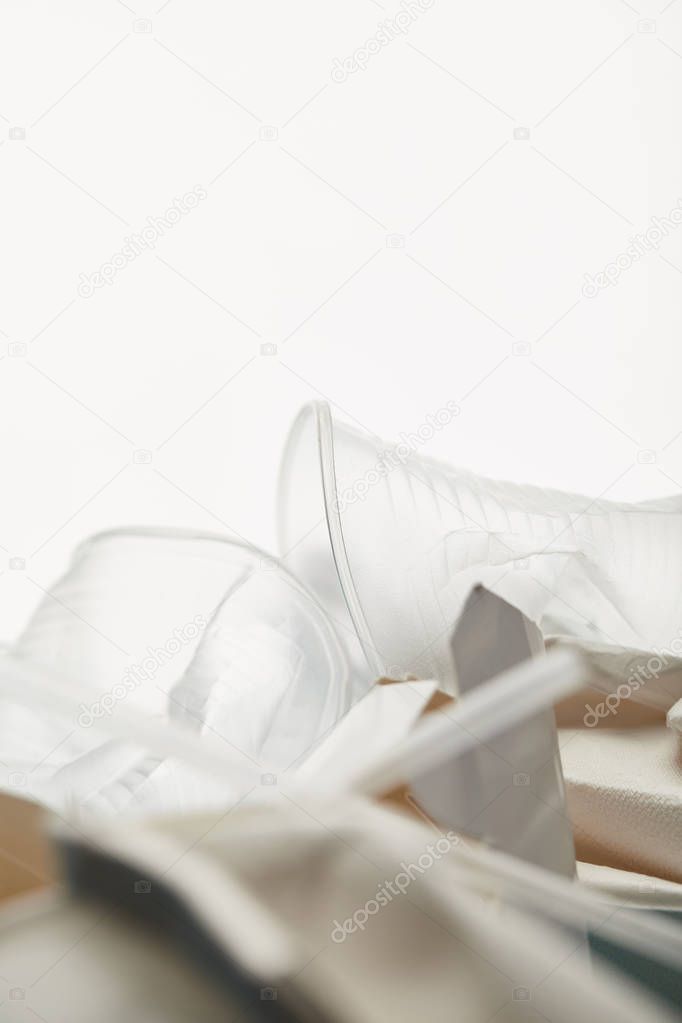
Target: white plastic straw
x: 491, y: 708
x: 571, y: 903
x: 23, y: 682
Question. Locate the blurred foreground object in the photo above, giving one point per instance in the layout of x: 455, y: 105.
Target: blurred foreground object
x: 26, y: 859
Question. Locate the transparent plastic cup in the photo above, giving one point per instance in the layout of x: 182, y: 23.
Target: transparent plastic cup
x: 393, y: 542
x: 187, y: 626
x: 310, y: 538
x: 270, y: 675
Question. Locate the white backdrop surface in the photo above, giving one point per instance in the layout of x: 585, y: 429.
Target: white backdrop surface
x: 399, y: 205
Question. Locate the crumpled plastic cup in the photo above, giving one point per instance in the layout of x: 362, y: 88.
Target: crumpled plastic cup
x: 270, y: 675
x: 181, y: 625
x: 130, y: 610
x: 393, y: 542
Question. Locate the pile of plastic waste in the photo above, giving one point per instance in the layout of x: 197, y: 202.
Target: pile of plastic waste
x: 426, y: 758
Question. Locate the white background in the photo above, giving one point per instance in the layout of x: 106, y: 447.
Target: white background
x: 389, y: 234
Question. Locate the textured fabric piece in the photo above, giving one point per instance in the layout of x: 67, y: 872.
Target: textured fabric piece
x: 624, y: 793
x: 638, y: 891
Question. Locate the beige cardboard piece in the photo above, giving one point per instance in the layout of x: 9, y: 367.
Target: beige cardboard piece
x: 25, y: 855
